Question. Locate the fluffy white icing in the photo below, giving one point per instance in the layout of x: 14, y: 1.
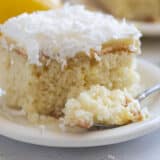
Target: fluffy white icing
x: 62, y: 33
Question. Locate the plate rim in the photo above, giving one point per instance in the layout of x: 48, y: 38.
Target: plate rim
x: 148, y: 29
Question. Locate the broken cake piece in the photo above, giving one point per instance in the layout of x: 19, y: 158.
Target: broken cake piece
x: 98, y: 105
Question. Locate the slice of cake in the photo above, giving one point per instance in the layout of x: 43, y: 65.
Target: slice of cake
x: 50, y: 56
x: 98, y: 105
x: 143, y: 10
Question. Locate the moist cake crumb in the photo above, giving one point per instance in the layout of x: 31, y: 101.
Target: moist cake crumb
x: 102, y: 106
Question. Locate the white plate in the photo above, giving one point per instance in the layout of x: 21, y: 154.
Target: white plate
x: 148, y: 29
x: 25, y: 132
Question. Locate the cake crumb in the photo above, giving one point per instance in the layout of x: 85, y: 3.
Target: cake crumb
x: 111, y: 157
x: 99, y: 105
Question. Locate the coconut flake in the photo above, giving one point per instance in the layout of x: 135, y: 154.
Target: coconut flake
x: 64, y: 32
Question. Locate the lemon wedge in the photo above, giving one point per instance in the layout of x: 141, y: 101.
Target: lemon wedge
x: 11, y: 8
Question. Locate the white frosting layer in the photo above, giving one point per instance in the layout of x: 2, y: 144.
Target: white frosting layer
x: 62, y: 33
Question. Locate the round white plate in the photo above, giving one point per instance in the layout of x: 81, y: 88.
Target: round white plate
x: 26, y: 132
x: 148, y: 29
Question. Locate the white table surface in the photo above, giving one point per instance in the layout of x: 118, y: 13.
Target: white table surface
x: 144, y: 148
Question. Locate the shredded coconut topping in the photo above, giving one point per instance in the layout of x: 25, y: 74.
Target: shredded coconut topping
x: 63, y: 32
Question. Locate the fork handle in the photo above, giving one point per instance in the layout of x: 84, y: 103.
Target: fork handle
x: 148, y: 92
